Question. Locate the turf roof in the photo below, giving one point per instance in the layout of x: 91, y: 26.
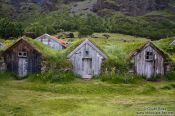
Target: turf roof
x: 127, y: 48
x: 46, y: 51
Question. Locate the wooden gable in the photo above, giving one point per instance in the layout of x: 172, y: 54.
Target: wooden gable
x: 23, y: 45
x: 58, y: 41
x: 149, y: 61
x: 137, y: 51
x: 91, y: 45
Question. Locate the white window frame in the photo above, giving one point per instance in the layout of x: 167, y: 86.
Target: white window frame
x: 22, y: 54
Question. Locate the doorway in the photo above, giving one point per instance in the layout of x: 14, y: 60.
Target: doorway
x: 22, y: 64
x: 87, y: 66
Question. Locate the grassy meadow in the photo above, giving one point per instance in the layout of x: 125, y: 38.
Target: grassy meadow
x: 114, y: 93
x: 83, y: 98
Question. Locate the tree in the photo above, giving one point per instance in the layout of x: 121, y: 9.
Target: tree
x: 10, y: 29
x: 85, y: 31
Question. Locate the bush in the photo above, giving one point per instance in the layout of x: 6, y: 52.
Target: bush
x: 52, y: 77
x: 155, y: 78
x: 85, y: 31
x: 111, y: 65
x: 6, y: 76
x: 10, y: 29
x: 170, y: 76
x: 62, y: 78
x: 173, y: 85
x: 166, y: 88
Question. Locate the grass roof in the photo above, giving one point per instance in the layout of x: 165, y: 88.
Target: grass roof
x: 46, y: 51
x: 118, y: 47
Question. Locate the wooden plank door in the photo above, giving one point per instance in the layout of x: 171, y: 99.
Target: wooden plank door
x: 22, y: 67
x: 150, y: 69
x: 87, y: 66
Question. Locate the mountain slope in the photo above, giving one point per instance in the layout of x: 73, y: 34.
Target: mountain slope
x: 132, y: 7
x: 154, y: 19
x: 129, y: 7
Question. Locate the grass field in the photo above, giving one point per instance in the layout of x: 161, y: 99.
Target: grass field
x: 83, y: 98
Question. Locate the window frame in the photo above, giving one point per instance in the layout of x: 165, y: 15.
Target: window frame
x: 22, y: 54
x: 149, y: 56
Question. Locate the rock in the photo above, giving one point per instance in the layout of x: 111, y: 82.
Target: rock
x: 70, y: 35
x: 131, y: 7
x: 94, y: 36
x: 106, y: 36
x: 31, y: 35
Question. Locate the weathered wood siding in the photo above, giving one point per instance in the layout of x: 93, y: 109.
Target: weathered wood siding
x: 47, y: 40
x: 11, y: 58
x: 87, y: 64
x: 149, y: 68
x: 1, y: 45
x: 2, y: 65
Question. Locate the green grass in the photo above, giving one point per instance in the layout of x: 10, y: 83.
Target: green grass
x: 81, y: 97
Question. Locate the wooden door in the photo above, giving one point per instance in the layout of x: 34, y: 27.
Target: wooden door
x: 22, y: 67
x: 150, y: 69
x: 87, y: 66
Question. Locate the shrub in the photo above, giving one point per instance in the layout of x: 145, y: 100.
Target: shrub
x: 63, y: 77
x: 10, y: 29
x: 111, y: 65
x: 170, y: 76
x: 155, y: 78
x: 173, y: 85
x: 6, y: 76
x: 85, y: 31
x: 52, y: 77
x: 166, y: 88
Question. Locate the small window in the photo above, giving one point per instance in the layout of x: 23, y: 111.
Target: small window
x: 149, y: 56
x: 25, y: 54
x: 22, y: 54
x: 19, y: 54
x: 87, y: 52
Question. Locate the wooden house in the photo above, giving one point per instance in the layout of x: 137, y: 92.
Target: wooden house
x: 52, y: 42
x: 87, y: 59
x: 22, y: 58
x: 149, y: 61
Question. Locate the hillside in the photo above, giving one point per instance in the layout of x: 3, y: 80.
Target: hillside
x: 154, y: 18
x: 129, y: 7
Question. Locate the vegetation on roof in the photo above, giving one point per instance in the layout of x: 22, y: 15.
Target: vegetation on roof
x: 117, y: 47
